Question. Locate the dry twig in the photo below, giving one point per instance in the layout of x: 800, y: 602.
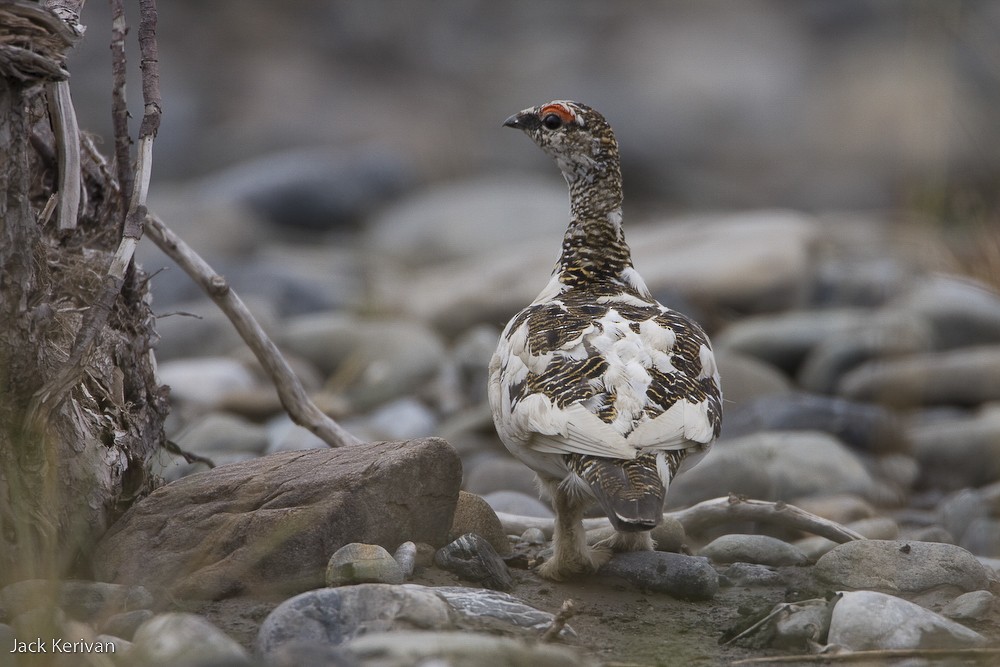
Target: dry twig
x: 293, y: 397
x: 67, y: 133
x: 566, y: 612
x: 711, y: 512
x: 987, y: 656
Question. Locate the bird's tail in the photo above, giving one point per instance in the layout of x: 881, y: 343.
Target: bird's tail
x: 630, y: 492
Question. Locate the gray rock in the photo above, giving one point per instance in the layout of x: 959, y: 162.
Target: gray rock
x: 434, y: 226
x: 389, y: 357
x: 867, y: 620
x: 785, y: 340
x: 400, y: 419
x: 313, y: 654
x: 774, y: 465
x: 982, y: 537
x: 126, y: 623
x: 220, y: 432
x: 958, y: 510
x: 863, y: 426
x: 406, y: 556
x: 206, y: 380
x: 839, y: 507
x: 501, y: 473
x: 6, y: 635
x: 750, y: 574
x: 460, y: 649
x: 269, y: 524
x: 474, y: 515
x: 887, y: 334
x: 875, y: 528
x: 357, y: 563
x: 513, y: 502
x: 533, y: 536
x: 284, y: 435
x: 958, y: 453
x: 471, y: 354
x: 209, y: 334
x: 481, y: 603
x: 758, y: 549
x: 315, y: 190
x: 175, y: 467
x: 974, y: 605
x: 184, y: 639
x: 472, y: 558
x: 748, y: 378
x: 684, y: 577
x: 82, y: 600
x: 968, y: 376
x: 851, y: 281
x: 331, y: 616
x: 898, y: 566
x: 960, y: 311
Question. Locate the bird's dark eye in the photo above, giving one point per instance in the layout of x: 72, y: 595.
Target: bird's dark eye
x: 552, y: 122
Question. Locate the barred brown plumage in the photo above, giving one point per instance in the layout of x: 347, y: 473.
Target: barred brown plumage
x: 605, y: 393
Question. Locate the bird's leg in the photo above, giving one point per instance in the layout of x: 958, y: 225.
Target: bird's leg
x: 623, y: 541
x: 572, y: 557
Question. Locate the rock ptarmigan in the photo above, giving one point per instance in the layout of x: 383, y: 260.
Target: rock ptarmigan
x: 602, y: 391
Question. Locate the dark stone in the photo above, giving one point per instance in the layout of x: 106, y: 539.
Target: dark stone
x: 474, y: 559
x: 269, y: 525
x: 684, y: 577
x: 862, y: 426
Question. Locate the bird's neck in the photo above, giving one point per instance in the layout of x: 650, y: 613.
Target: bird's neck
x: 594, y: 248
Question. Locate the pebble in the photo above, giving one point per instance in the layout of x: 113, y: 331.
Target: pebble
x: 982, y: 537
x: 357, y: 563
x: 868, y: 620
x: 183, y: 639
x: 310, y: 654
x: 758, y: 549
x: 400, y: 419
x: 961, y: 312
x: 205, y: 380
x: 406, y: 555
x: 472, y: 558
x: 967, y: 376
x: 958, y: 453
x: 785, y: 340
x: 210, y: 334
x: 513, y: 502
x: 875, y: 528
x: 501, y: 473
x: 388, y: 358
x: 970, y: 515
x: 862, y: 426
x: 223, y: 433
x: 677, y: 575
x: 480, y: 603
x: 749, y: 574
x: 474, y: 515
x: 331, y: 616
x: 898, y: 566
x: 534, y: 536
x: 839, y: 507
x: 972, y: 606
x: 284, y: 435
x: 438, y: 649
x: 126, y: 623
x: 747, y: 379
x: 82, y: 600
x: 774, y: 465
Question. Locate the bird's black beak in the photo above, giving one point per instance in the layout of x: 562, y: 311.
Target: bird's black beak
x: 522, y: 120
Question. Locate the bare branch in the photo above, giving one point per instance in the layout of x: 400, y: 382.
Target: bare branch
x: 67, y: 133
x: 33, y: 42
x: 119, y: 106
x: 879, y: 657
x: 566, y: 612
x: 293, y: 397
x: 711, y: 512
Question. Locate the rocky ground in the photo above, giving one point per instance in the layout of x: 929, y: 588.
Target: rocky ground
x: 860, y: 383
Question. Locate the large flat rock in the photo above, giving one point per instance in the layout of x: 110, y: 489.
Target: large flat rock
x: 271, y: 524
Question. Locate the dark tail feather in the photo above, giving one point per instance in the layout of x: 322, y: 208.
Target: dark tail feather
x: 630, y: 491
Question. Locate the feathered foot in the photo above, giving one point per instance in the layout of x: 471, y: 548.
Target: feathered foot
x: 623, y: 542
x: 572, y: 557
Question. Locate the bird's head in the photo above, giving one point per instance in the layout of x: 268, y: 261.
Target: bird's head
x: 577, y: 137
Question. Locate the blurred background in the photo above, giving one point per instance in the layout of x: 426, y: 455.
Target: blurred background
x: 816, y: 181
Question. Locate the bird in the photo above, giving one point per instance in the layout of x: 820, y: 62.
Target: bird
x: 602, y: 391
